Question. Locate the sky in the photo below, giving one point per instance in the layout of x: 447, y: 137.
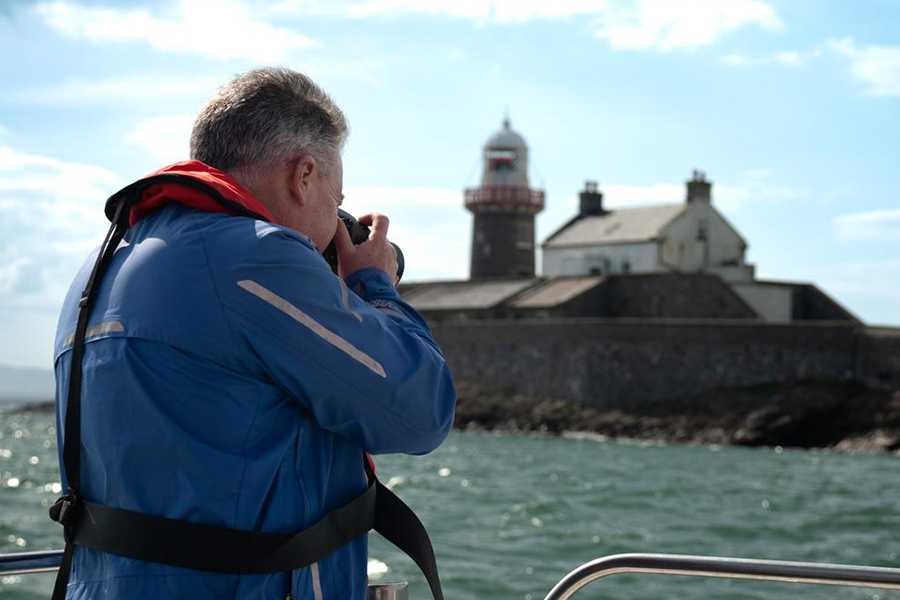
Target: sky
x: 791, y: 107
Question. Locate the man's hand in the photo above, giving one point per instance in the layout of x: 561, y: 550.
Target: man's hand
x: 375, y: 252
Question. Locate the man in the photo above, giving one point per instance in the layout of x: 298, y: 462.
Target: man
x: 229, y: 377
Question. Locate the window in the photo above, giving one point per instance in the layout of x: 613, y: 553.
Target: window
x: 702, y: 233
x: 501, y: 160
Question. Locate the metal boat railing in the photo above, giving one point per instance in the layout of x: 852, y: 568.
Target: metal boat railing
x: 730, y: 568
x: 48, y: 561
x: 23, y: 563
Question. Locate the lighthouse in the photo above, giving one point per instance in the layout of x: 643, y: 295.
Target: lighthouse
x: 503, y: 209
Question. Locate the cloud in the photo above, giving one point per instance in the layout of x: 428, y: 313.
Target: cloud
x: 11, y: 273
x: 623, y: 24
x: 738, y: 60
x: 480, y: 11
x: 434, y: 251
x: 786, y: 58
x: 626, y: 195
x: 227, y: 30
x: 51, y: 215
x: 428, y: 223
x: 665, y: 25
x: 790, y: 58
x: 755, y: 185
x: 878, y: 67
x: 150, y: 88
x: 725, y: 197
x: 403, y: 198
x: 165, y: 139
x: 869, y: 226
x: 54, y: 180
x: 132, y: 89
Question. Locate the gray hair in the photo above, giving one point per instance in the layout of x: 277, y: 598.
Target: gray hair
x: 267, y: 115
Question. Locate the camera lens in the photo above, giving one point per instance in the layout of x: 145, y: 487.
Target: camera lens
x: 359, y: 233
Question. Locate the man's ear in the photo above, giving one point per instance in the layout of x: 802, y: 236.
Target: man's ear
x: 301, y: 175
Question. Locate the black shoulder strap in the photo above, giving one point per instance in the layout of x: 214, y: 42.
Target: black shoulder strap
x: 398, y: 524
x: 65, y: 510
x: 204, y: 547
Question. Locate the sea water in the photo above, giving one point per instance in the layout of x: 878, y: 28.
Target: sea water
x: 511, y: 514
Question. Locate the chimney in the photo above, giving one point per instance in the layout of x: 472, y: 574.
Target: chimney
x: 698, y: 188
x: 591, y: 200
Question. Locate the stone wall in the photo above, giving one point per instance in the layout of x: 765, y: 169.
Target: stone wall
x: 672, y: 295
x: 811, y: 303
x: 634, y: 364
x: 878, y: 358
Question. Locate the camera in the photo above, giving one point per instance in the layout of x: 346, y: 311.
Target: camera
x: 359, y: 233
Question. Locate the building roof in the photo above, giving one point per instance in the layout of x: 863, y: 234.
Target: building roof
x: 635, y: 224
x: 464, y: 295
x: 555, y: 292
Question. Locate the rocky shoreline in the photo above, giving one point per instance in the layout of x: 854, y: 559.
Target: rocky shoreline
x: 845, y: 417
x: 841, y: 416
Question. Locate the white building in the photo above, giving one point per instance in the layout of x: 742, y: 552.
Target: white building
x: 690, y: 237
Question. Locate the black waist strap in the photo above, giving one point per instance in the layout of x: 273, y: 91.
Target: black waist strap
x: 223, y: 550
x: 219, y: 549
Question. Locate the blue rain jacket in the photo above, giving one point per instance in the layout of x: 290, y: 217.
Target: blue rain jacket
x: 230, y: 378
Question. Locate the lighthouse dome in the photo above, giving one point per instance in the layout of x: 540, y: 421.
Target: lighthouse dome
x: 505, y: 159
x: 506, y: 138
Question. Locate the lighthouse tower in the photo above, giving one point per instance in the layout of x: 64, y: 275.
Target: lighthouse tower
x: 504, y: 207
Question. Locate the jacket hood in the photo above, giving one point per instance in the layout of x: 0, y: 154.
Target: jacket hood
x: 190, y: 183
